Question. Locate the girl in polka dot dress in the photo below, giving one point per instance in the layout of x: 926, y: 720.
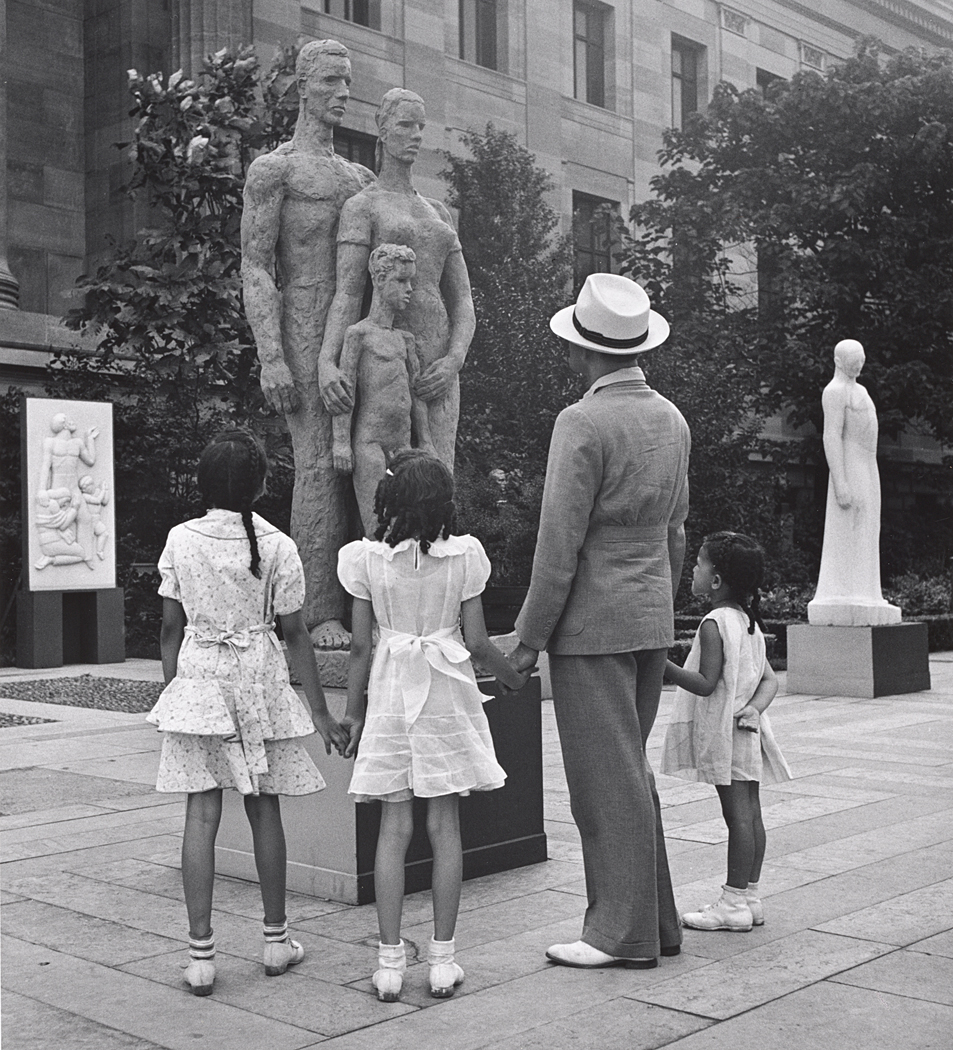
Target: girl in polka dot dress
x: 228, y: 714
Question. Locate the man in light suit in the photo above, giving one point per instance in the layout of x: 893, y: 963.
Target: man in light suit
x: 608, y: 559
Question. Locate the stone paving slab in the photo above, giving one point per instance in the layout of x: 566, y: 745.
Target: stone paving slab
x: 831, y: 1016
x: 140, y: 1007
x: 32, y: 1025
x: 767, y: 972
x: 906, y: 973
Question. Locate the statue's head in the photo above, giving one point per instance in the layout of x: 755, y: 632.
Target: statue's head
x: 397, y: 104
x: 385, y: 258
x: 849, y: 357
x: 86, y: 483
x: 60, y: 422
x: 323, y: 72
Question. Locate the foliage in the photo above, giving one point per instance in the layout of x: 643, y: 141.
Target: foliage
x: 515, y: 381
x: 920, y: 595
x: 842, y: 186
x: 503, y: 513
x: 169, y: 304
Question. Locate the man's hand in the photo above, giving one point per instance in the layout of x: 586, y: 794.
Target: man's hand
x: 278, y: 386
x: 353, y: 727
x: 335, y: 391
x: 435, y: 381
x: 523, y: 658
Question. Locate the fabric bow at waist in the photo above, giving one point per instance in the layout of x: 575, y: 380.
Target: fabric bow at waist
x: 251, y: 711
x: 422, y: 654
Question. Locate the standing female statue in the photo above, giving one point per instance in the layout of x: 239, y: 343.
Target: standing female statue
x: 440, y: 313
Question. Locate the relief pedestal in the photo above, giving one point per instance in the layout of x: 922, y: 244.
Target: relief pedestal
x: 332, y: 840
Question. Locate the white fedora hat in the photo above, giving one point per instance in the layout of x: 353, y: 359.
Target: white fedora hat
x: 612, y: 315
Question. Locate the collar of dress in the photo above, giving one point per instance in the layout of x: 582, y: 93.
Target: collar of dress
x: 438, y: 548
x: 620, y: 375
x: 227, y: 525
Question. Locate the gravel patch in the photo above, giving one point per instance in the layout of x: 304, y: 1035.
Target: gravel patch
x: 86, y: 690
x: 6, y: 721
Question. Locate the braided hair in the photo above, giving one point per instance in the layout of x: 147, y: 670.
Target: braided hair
x: 415, y: 500
x: 231, y: 472
x: 739, y: 560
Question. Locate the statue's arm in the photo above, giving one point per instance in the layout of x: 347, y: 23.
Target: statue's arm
x: 834, y: 403
x: 419, y: 414
x: 261, y: 217
x: 341, y: 452
x: 436, y: 380
x: 345, y: 310
x: 46, y: 466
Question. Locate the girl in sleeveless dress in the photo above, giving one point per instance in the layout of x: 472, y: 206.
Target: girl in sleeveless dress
x: 228, y: 713
x: 719, y: 733
x: 425, y: 733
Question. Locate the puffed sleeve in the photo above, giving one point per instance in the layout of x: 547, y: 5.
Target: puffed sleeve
x: 477, y: 569
x: 352, y: 570
x: 289, y: 579
x: 169, y: 587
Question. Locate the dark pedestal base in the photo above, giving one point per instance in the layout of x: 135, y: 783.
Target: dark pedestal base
x: 858, y: 661
x: 70, y: 627
x: 332, y: 840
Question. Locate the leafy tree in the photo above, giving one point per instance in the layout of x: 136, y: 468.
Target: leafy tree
x: 841, y: 186
x: 515, y: 380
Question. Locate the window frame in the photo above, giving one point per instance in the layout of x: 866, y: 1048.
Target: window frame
x: 481, y: 19
x: 593, y: 251
x: 595, y: 51
x: 685, y: 49
x: 359, y: 12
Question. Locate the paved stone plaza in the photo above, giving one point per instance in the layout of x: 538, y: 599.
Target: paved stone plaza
x: 857, y: 949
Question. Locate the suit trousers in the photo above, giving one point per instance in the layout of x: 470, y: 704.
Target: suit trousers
x: 604, y: 714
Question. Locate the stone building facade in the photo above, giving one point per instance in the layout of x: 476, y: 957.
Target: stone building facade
x: 586, y: 85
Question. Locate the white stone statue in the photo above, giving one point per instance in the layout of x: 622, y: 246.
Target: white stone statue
x: 848, y: 587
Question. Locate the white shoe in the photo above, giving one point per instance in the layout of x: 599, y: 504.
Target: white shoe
x: 200, y: 973
x: 445, y: 974
x: 584, y: 957
x: 389, y: 978
x: 729, y: 912
x: 753, y: 897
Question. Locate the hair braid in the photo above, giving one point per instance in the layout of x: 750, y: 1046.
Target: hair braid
x: 231, y: 473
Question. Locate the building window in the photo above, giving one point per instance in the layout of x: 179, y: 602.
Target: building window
x: 355, y: 146
x: 591, y: 235
x: 764, y: 80
x: 811, y: 56
x: 478, y: 32
x: 734, y: 22
x: 685, y: 67
x: 362, y: 12
x: 589, y: 53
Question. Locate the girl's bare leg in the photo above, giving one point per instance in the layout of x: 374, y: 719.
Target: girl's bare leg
x: 757, y: 825
x: 203, y: 813
x: 443, y: 828
x: 397, y: 825
x: 736, y: 808
x: 268, y: 837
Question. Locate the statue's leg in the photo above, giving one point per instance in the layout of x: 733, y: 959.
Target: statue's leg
x: 318, y: 516
x: 369, y: 466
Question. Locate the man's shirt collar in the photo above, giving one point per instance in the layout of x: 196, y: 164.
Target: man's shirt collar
x: 634, y: 374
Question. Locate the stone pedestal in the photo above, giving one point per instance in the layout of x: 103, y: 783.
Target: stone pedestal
x: 72, y: 627
x: 332, y: 840
x: 858, y: 661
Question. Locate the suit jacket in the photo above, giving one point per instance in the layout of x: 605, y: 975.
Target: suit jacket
x: 616, y: 482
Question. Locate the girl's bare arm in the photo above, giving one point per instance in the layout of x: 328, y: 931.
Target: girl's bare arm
x: 170, y: 636
x: 483, y: 650
x: 703, y: 681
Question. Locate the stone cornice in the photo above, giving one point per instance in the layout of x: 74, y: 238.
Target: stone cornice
x: 900, y: 13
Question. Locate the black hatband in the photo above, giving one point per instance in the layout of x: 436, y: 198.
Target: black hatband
x: 604, y: 340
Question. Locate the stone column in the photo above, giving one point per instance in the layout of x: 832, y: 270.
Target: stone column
x: 9, y: 286
x: 202, y: 27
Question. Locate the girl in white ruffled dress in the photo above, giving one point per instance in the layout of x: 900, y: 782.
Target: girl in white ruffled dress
x: 425, y: 733
x: 719, y: 732
x: 228, y: 713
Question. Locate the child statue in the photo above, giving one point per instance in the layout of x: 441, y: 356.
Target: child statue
x: 848, y: 587
x: 380, y: 363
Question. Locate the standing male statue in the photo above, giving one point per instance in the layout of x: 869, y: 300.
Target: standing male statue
x: 293, y: 201
x: 608, y: 559
x: 848, y: 587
